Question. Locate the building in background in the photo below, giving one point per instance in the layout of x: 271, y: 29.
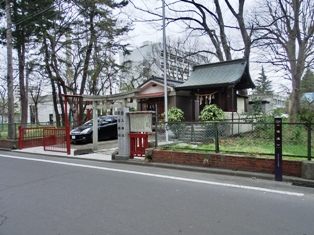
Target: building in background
x: 42, y: 110
x: 147, y: 61
x: 269, y: 102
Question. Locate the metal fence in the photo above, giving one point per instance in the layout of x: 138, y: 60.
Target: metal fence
x: 4, y: 127
x: 248, y: 138
x: 57, y: 140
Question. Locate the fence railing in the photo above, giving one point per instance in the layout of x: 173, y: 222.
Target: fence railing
x: 57, y: 140
x: 248, y: 138
x: 4, y: 127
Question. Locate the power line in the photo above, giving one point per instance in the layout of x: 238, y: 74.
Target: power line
x: 36, y: 14
x: 32, y: 16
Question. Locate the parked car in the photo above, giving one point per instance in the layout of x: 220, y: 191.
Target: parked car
x: 107, y: 129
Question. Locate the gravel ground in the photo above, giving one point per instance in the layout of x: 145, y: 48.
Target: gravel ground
x: 104, y: 144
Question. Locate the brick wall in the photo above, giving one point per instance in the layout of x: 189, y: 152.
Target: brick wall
x: 243, y: 163
x: 9, y: 144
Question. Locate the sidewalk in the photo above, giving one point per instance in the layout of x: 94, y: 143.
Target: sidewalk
x: 104, y: 155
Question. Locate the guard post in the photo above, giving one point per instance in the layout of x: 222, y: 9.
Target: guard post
x: 278, y: 149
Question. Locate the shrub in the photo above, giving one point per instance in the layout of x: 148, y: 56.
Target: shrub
x: 306, y: 115
x: 175, y: 115
x: 212, y: 113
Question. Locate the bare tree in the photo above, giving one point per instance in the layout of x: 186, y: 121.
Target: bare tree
x: 182, y: 55
x: 3, y: 104
x: 288, y: 41
x: 35, y: 91
x: 134, y: 74
x: 204, y: 18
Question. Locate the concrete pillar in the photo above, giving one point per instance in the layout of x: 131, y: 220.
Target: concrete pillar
x: 123, y: 134
x: 308, y: 170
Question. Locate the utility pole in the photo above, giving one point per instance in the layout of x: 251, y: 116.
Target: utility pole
x: 165, y: 66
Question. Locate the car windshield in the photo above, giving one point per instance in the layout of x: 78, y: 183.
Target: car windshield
x: 101, y: 121
x: 104, y: 121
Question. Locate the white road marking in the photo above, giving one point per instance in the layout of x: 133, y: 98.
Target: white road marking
x: 159, y: 176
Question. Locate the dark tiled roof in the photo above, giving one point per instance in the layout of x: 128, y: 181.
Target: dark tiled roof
x: 172, y: 83
x: 219, y: 74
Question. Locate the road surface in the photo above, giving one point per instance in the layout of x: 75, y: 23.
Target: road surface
x: 49, y: 195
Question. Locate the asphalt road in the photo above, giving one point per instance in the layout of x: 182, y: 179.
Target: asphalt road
x: 48, y: 195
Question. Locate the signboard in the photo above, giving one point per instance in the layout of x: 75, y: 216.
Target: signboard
x: 140, y: 122
x: 278, y: 148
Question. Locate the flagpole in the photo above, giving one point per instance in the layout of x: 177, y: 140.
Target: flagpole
x: 165, y: 66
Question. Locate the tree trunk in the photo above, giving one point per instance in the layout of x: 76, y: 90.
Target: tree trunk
x: 55, y: 104
x: 64, y: 112
x: 36, y: 114
x: 295, y: 104
x: 223, y: 36
x: 23, y: 92
x: 86, y: 63
x: 11, y: 127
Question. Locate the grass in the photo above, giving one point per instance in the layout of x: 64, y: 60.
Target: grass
x: 249, y: 147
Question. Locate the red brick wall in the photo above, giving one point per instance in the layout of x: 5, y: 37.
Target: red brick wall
x: 9, y: 144
x: 226, y: 161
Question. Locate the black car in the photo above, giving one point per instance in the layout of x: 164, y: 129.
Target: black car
x: 107, y: 129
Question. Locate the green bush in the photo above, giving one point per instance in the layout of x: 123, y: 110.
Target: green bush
x: 212, y: 113
x: 175, y: 115
x: 306, y: 115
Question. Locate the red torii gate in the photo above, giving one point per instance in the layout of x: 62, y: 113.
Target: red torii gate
x: 77, y: 98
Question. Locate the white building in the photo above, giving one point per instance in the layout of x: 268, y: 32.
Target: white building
x: 46, y: 113
x: 147, y: 61
x: 269, y: 102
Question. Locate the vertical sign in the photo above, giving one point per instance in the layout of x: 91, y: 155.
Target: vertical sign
x: 123, y: 134
x: 278, y: 148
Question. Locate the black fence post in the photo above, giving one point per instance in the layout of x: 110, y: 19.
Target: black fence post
x: 156, y: 133
x: 278, y: 148
x: 309, y: 140
x: 216, y: 138
x: 192, y: 133
x: 15, y: 134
